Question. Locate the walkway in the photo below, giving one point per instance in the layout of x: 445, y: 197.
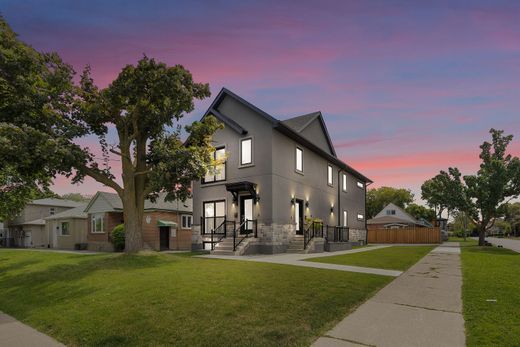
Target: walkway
x: 297, y: 260
x: 511, y: 244
x: 423, y: 307
x: 16, y: 334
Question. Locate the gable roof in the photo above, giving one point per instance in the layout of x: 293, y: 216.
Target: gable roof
x: 114, y: 201
x: 300, y: 123
x: 286, y: 127
x: 56, y: 202
x: 381, y: 218
x: 76, y: 212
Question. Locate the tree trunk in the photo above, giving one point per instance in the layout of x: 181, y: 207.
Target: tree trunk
x: 482, y: 235
x: 133, y: 210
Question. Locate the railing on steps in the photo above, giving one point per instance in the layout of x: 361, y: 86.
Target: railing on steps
x: 218, y: 233
x: 315, y: 229
x: 244, y: 231
x: 336, y: 234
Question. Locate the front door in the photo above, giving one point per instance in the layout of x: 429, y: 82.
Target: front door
x: 164, y: 237
x: 298, y: 216
x: 246, y: 213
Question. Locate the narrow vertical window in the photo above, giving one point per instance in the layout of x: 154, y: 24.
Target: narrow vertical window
x: 218, y: 171
x: 360, y: 185
x: 299, y: 159
x: 246, y: 153
x: 329, y: 175
x: 344, y: 186
x: 345, y: 218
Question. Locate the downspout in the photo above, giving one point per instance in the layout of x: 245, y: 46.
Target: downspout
x: 366, y: 219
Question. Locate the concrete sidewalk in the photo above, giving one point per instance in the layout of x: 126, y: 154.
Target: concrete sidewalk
x: 297, y: 259
x: 423, y: 307
x: 16, y: 334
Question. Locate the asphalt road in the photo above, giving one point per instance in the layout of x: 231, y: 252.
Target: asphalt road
x: 506, y: 243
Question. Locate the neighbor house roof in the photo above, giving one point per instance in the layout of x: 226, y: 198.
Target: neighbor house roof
x: 117, y: 205
x: 381, y: 218
x: 290, y: 127
x: 34, y: 222
x: 56, y: 202
x: 76, y: 212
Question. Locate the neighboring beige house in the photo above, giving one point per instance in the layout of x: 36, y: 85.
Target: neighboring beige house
x: 394, y: 217
x: 28, y: 228
x: 166, y: 225
x: 67, y: 229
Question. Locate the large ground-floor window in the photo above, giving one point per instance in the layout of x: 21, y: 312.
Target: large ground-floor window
x: 214, y: 214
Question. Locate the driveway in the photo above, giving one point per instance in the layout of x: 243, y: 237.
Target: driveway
x: 513, y: 245
x: 422, y: 307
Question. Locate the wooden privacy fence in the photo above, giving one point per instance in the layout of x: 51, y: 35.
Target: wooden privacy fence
x: 404, y: 235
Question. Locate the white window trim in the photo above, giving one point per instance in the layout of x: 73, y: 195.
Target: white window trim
x: 92, y: 223
x: 296, y: 160
x: 252, y: 163
x: 182, y: 221
x: 331, y: 183
x: 344, y: 182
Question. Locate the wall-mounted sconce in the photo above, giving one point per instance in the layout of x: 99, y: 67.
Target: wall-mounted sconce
x: 331, y: 208
x: 257, y: 198
x: 293, y: 200
x: 307, y: 203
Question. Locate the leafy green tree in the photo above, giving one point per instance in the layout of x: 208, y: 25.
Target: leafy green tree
x: 461, y: 224
x: 512, y: 216
x: 43, y: 114
x: 495, y: 183
x: 420, y: 212
x: 445, y: 192
x: 378, y: 198
x: 76, y: 197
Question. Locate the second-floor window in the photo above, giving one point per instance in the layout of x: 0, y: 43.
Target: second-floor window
x: 390, y: 212
x: 186, y: 221
x: 329, y: 175
x: 246, y: 151
x: 299, y: 159
x: 344, y: 180
x: 52, y: 211
x: 218, y: 171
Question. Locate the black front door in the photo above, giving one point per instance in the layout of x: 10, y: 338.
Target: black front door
x: 164, y: 237
x: 298, y: 216
x: 246, y: 212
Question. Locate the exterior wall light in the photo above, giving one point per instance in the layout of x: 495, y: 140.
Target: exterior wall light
x: 331, y: 209
x: 307, y: 203
x: 293, y: 200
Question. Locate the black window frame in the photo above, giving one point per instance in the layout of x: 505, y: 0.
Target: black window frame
x: 251, y: 163
x: 203, y: 181
x: 297, y: 148
x: 331, y: 183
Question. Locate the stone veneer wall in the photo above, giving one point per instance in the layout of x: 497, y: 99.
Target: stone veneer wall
x: 357, y: 235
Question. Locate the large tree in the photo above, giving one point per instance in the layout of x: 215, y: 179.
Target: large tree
x: 483, y: 196
x: 43, y: 114
x: 512, y: 215
x: 421, y: 212
x: 378, y: 198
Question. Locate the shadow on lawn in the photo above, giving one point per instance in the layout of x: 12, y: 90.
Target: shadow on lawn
x: 26, y: 291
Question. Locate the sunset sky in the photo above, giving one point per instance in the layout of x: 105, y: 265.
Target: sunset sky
x: 407, y: 88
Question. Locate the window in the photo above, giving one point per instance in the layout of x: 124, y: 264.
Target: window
x: 344, y: 179
x: 214, y: 215
x: 97, y: 223
x: 329, y: 175
x: 65, y: 229
x: 360, y: 216
x: 299, y: 159
x: 52, y: 211
x: 345, y: 218
x: 360, y: 185
x: 218, y: 171
x: 186, y: 221
x: 390, y: 212
x: 246, y: 151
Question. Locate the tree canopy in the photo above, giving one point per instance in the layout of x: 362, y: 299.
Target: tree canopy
x: 43, y: 114
x: 420, y: 212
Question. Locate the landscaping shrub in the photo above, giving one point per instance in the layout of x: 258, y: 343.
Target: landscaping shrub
x: 118, y: 238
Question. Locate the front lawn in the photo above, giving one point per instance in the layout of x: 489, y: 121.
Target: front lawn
x: 491, y: 273
x: 392, y: 258
x: 174, y: 299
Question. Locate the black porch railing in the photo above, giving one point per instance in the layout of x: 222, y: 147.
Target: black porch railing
x: 315, y: 229
x: 243, y: 231
x: 218, y: 233
x: 336, y: 234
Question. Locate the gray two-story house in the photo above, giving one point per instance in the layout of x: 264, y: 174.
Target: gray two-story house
x: 276, y: 186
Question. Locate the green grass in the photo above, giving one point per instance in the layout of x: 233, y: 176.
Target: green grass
x: 393, y: 258
x: 491, y: 273
x: 176, y: 299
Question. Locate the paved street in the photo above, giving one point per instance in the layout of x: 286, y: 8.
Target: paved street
x: 422, y: 307
x: 513, y: 245
x: 16, y: 334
